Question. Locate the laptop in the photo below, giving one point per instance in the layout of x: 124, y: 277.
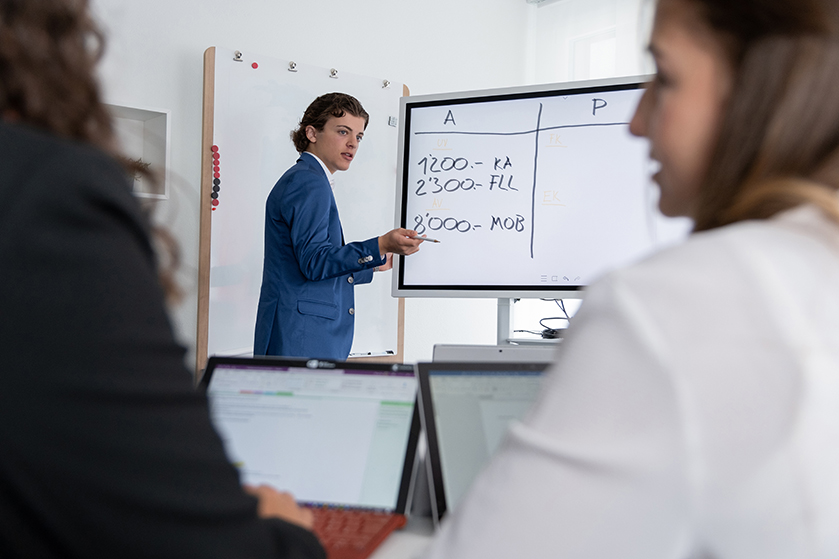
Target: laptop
x: 340, y: 436
x: 466, y: 410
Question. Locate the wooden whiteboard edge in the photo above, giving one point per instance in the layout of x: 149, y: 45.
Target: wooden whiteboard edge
x: 400, y: 348
x: 205, y: 214
x: 399, y: 356
x: 205, y: 229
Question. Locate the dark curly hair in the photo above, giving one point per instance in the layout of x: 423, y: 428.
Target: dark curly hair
x: 48, y: 51
x: 321, y: 110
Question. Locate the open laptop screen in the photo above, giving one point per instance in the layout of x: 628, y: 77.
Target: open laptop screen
x: 331, y: 433
x: 467, y: 409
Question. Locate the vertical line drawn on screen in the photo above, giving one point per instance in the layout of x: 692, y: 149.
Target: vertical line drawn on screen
x: 533, y: 195
x: 536, y: 131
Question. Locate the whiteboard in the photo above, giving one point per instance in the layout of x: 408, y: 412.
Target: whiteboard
x: 533, y: 192
x: 257, y: 101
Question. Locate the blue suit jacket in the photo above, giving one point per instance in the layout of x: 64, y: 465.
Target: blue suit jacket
x: 306, y: 305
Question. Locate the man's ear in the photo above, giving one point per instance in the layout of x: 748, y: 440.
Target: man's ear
x: 312, y: 134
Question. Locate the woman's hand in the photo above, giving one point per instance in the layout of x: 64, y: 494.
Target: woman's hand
x: 277, y: 504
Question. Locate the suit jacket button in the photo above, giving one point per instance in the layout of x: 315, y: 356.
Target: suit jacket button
x: 352, y: 310
x: 361, y: 260
x: 349, y: 279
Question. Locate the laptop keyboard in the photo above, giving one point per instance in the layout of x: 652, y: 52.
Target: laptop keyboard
x: 351, y: 534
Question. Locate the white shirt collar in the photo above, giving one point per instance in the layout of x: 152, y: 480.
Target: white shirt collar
x: 325, y: 169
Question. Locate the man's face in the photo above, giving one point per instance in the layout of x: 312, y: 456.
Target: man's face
x: 337, y: 143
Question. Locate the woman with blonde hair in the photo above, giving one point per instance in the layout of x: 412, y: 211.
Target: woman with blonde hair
x: 693, y: 411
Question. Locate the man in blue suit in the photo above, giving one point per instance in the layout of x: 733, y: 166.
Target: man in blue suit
x: 306, y: 305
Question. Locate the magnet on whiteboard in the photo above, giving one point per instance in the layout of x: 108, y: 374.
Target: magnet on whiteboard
x: 237, y: 56
x: 292, y: 66
x: 385, y: 84
x: 333, y: 73
x: 391, y: 121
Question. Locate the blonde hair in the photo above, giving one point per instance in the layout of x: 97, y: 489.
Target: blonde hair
x: 779, y: 138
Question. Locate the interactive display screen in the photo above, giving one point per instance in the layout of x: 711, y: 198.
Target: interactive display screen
x: 530, y: 192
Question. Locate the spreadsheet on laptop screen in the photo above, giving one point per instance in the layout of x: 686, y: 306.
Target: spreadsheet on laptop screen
x: 329, y: 436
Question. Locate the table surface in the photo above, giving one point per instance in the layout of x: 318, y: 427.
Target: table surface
x: 408, y: 543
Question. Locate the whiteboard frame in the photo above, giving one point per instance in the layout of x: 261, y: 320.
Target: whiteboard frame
x: 395, y: 312
x: 513, y: 292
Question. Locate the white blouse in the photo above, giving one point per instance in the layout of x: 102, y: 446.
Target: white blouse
x: 693, y: 412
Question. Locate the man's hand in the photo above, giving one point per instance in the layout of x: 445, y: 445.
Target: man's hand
x: 276, y: 504
x: 388, y: 263
x: 399, y: 241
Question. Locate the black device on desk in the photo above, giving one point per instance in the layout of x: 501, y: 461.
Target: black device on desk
x: 341, y: 436
x: 466, y: 409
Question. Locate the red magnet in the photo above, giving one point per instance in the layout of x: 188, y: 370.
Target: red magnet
x: 214, y: 149
x: 254, y: 65
x: 216, y: 169
x: 216, y: 175
x: 215, y: 202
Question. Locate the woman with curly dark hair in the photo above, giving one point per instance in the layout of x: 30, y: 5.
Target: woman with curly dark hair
x: 106, y: 450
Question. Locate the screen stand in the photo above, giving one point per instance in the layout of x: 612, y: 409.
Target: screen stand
x: 504, y: 329
x: 505, y: 321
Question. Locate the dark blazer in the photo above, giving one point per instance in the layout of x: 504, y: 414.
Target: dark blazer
x: 106, y: 450
x: 306, y: 305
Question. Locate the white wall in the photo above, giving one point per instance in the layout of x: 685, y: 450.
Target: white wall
x: 154, y: 60
x: 588, y: 39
